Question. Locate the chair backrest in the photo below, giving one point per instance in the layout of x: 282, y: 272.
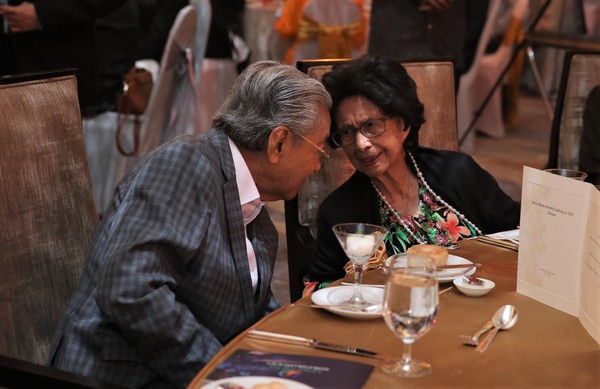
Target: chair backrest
x: 47, y: 212
x: 331, y: 26
x: 580, y: 74
x: 435, y: 88
x: 203, y: 17
x: 465, y: 103
x: 172, y: 107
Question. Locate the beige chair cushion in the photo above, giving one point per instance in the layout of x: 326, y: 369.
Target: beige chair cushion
x: 47, y: 212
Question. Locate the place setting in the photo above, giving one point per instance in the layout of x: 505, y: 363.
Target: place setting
x: 359, y: 241
x: 407, y: 300
x: 448, y: 266
x: 408, y: 304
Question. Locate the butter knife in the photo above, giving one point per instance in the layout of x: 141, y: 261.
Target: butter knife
x: 458, y: 266
x: 314, y: 343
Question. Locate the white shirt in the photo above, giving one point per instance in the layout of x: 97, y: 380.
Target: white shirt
x: 250, y: 202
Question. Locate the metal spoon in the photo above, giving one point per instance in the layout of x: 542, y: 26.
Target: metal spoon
x: 504, y: 319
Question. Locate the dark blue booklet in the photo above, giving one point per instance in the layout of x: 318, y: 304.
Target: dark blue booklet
x: 316, y: 372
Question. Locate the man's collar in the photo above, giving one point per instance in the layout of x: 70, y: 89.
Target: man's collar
x: 245, y: 183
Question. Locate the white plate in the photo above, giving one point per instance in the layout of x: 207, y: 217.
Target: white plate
x: 250, y: 381
x: 338, y: 295
x: 447, y: 275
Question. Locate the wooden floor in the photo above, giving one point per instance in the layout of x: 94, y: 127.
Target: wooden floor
x: 526, y: 143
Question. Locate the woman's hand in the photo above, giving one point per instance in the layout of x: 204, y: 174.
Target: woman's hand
x: 20, y: 18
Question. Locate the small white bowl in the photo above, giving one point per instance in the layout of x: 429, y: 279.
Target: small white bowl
x: 473, y: 290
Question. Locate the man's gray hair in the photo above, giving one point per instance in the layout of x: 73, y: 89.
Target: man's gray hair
x: 266, y: 95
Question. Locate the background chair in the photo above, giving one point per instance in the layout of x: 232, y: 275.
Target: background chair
x: 322, y: 29
x: 435, y: 88
x: 490, y: 67
x: 580, y: 73
x: 172, y: 108
x: 466, y: 103
x: 47, y: 212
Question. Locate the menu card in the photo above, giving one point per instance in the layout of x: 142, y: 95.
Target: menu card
x: 559, y: 253
x: 317, y: 372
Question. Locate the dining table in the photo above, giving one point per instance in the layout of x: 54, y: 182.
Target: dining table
x: 547, y: 348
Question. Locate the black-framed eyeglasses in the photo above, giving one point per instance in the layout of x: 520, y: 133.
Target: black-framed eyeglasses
x: 371, y: 128
x: 324, y: 154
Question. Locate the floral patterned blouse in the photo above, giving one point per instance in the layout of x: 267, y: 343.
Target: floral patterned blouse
x: 432, y: 223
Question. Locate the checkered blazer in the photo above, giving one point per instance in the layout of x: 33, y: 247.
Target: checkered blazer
x: 167, y: 281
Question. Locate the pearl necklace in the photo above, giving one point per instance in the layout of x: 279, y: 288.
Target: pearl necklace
x: 403, y: 222
x: 405, y: 225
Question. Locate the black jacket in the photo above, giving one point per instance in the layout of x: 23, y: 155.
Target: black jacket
x: 65, y: 41
x: 455, y: 177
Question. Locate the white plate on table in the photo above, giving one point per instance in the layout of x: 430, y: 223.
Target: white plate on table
x: 338, y: 295
x: 250, y: 381
x: 442, y: 276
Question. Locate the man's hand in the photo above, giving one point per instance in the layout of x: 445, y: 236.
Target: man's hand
x: 20, y: 18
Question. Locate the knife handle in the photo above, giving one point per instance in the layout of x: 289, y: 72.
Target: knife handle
x: 347, y: 350
x: 281, y: 338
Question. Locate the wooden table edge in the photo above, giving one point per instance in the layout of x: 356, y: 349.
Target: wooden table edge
x: 215, y: 361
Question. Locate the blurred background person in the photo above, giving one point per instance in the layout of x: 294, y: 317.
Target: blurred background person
x: 589, y: 146
x: 7, y: 55
x: 57, y: 34
x: 138, y: 31
x: 226, y: 23
x: 416, y: 29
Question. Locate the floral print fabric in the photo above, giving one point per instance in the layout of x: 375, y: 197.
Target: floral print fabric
x: 433, y: 223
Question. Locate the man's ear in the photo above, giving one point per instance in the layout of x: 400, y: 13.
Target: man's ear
x: 277, y: 143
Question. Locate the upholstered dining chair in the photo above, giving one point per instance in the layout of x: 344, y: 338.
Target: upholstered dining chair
x: 435, y: 88
x: 47, y: 213
x: 580, y: 74
x: 322, y: 29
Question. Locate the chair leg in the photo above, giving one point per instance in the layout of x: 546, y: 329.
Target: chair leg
x: 539, y: 82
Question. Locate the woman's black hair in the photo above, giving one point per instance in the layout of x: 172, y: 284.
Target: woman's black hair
x: 385, y: 82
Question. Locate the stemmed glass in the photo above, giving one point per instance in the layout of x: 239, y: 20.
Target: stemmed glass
x: 410, y: 309
x: 359, y: 241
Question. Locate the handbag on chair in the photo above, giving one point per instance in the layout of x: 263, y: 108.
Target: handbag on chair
x: 133, y: 100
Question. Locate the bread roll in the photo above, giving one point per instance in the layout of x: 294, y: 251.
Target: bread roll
x: 438, y: 254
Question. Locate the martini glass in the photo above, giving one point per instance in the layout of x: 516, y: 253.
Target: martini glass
x: 359, y: 241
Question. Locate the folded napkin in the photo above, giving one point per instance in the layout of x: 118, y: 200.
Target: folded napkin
x: 375, y: 262
x: 507, y: 239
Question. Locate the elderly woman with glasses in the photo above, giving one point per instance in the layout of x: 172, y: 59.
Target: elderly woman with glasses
x: 421, y: 195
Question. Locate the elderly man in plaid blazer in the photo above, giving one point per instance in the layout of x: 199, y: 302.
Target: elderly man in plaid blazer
x: 183, y: 259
